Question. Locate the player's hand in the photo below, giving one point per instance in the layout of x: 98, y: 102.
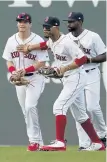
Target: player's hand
x: 21, y: 82
x: 23, y: 48
x: 15, y: 76
x: 62, y: 70
x: 21, y: 72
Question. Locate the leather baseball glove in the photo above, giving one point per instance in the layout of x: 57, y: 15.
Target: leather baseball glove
x: 18, y: 80
x: 51, y: 72
x: 22, y: 81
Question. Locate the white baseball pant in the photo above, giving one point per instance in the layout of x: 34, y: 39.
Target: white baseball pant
x: 72, y: 94
x: 92, y: 95
x: 28, y: 97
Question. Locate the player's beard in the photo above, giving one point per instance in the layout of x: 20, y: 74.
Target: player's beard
x: 46, y: 36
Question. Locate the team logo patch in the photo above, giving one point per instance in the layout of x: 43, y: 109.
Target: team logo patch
x: 18, y: 16
x: 27, y: 17
x: 70, y: 14
x: 46, y: 19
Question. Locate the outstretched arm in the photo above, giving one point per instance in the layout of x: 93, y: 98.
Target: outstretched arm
x: 28, y: 48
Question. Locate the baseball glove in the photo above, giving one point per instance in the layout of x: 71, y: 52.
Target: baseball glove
x: 19, y: 81
x: 51, y: 72
x: 22, y: 81
x: 15, y: 76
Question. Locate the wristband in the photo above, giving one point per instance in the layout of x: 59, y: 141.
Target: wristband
x: 11, y: 69
x: 30, y: 69
x: 43, y: 46
x: 81, y: 61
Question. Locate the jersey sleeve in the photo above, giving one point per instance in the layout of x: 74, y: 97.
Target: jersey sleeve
x: 7, y: 52
x: 73, y: 50
x: 99, y: 46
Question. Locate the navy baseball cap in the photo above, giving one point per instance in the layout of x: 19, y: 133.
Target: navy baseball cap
x: 25, y: 17
x: 75, y: 16
x: 51, y: 21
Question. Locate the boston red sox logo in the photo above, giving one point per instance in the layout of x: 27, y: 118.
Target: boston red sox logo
x: 27, y: 17
x: 85, y: 50
x: 61, y: 58
x: 29, y: 55
x: 70, y: 14
x: 46, y: 19
x: 20, y: 15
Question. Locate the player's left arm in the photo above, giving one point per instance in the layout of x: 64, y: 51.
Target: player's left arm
x: 100, y: 50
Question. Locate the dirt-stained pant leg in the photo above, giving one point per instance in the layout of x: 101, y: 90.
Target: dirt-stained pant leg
x: 33, y: 92
x: 73, y: 88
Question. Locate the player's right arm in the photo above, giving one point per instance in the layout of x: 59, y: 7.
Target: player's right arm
x: 10, y: 66
x: 29, y: 48
x: 40, y: 46
x: 7, y: 56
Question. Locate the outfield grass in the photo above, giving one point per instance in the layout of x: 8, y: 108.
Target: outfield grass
x: 19, y: 154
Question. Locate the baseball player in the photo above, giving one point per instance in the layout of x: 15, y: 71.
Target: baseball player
x: 94, y: 48
x: 27, y: 66
x: 69, y: 60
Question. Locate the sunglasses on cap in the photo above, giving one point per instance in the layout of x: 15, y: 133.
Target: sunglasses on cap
x: 47, y: 27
